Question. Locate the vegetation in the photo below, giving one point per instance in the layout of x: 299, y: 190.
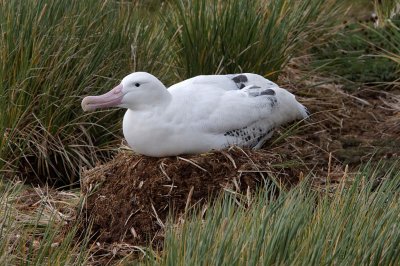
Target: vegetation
x: 355, y: 54
x: 386, y: 10
x: 350, y: 226
x: 33, y: 238
x: 392, y: 52
x: 52, y: 53
x: 235, y: 36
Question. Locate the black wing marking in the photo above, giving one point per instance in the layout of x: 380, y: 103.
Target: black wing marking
x: 268, y: 93
x: 240, y: 78
x: 258, y: 91
x: 240, y: 81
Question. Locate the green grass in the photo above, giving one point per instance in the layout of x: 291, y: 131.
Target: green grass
x: 386, y: 10
x: 213, y: 37
x: 391, y: 51
x: 361, y: 54
x: 52, y: 53
x: 354, y: 225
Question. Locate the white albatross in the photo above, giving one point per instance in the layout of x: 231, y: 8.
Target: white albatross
x: 199, y: 114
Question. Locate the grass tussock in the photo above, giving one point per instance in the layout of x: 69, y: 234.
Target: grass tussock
x: 362, y: 53
x: 213, y: 37
x: 51, y: 54
x: 352, y: 225
x: 392, y: 52
x: 385, y: 11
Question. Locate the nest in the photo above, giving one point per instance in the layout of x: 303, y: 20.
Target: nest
x: 130, y: 197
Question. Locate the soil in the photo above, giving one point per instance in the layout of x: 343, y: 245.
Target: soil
x: 129, y: 198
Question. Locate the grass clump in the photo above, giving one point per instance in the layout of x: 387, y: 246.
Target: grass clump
x: 351, y: 225
x: 354, y: 54
x: 391, y: 36
x: 213, y: 37
x: 52, y: 53
x: 386, y: 10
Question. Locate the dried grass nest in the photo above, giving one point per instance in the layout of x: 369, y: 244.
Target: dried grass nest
x: 130, y: 197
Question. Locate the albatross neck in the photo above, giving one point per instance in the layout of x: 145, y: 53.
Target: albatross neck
x: 158, y: 101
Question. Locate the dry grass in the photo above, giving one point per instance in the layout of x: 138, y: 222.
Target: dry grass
x: 32, y: 227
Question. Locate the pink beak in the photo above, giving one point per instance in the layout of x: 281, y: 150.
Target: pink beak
x: 109, y: 99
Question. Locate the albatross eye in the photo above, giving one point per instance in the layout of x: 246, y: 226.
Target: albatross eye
x: 137, y: 84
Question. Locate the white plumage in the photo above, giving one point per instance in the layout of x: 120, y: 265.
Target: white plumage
x: 199, y: 114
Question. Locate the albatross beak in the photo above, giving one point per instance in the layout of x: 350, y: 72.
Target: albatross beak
x: 109, y: 99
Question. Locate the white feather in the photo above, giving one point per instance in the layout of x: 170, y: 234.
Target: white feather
x: 205, y: 112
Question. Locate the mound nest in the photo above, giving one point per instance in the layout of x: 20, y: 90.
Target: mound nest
x: 130, y: 197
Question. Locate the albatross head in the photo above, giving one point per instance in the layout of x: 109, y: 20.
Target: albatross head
x: 137, y: 90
